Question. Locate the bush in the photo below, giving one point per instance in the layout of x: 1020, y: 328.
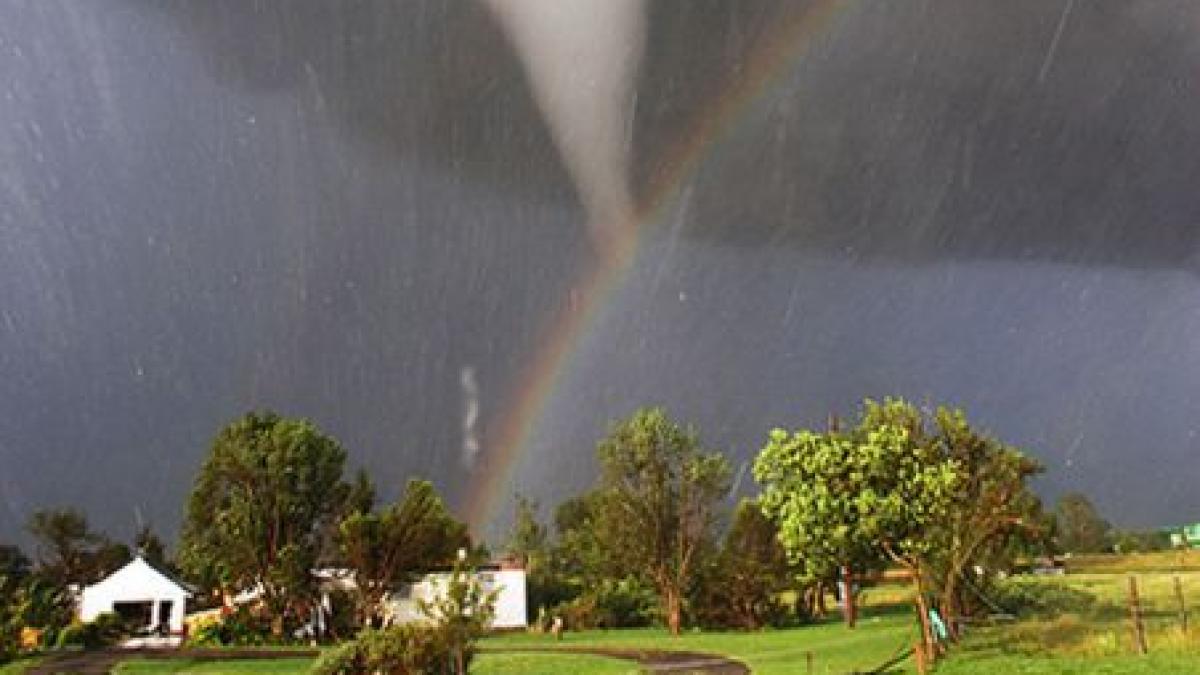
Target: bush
x: 105, y: 630
x: 240, y: 628
x: 399, y: 650
x: 1043, y: 599
x: 624, y: 603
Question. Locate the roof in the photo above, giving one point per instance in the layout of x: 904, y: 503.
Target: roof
x: 138, y: 579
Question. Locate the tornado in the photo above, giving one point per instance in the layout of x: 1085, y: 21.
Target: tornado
x: 581, y: 60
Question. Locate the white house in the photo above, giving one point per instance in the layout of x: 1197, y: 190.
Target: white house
x: 404, y: 606
x: 140, y: 593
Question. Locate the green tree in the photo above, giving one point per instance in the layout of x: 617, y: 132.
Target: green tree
x: 877, y: 488
x: 151, y: 548
x: 263, y: 497
x: 407, y: 538
x: 529, y: 541
x: 745, y: 583
x: 656, y: 503
x: 991, y: 505
x: 360, y: 497
x: 15, y: 568
x: 1079, y: 525
x: 69, y: 551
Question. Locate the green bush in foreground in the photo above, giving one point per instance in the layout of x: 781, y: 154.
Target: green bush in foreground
x: 107, y: 629
x: 399, y: 650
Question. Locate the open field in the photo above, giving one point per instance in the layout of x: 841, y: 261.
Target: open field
x: 1157, y: 561
x: 1092, y: 633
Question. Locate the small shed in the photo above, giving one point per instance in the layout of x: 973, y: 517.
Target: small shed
x: 139, y: 593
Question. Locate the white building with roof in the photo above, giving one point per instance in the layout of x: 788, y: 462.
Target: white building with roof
x: 140, y: 593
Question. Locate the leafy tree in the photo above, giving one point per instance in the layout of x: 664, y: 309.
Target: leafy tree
x: 360, y: 497
x: 69, y: 551
x: 748, y: 576
x: 1079, y: 525
x: 14, y: 570
x: 991, y: 504
x: 65, y: 543
x: 877, y: 488
x: 656, y: 503
x: 263, y: 497
x: 151, y: 548
x: 529, y: 540
x: 406, y: 539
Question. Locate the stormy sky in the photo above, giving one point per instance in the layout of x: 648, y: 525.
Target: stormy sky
x: 357, y: 212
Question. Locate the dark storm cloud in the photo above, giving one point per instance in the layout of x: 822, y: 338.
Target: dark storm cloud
x: 337, y: 209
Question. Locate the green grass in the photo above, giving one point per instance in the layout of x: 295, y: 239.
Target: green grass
x: 485, y: 664
x: 19, y: 666
x: 834, y: 649
x: 1095, y: 638
x: 1157, y: 561
x: 139, y: 665
x: 550, y: 664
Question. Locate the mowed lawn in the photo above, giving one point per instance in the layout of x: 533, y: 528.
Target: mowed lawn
x: 833, y: 648
x: 485, y: 664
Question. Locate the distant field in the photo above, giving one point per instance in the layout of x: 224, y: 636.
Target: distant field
x: 1158, y: 561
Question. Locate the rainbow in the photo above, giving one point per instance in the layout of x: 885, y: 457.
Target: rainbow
x: 509, y: 434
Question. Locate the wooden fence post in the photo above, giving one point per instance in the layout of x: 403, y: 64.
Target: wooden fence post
x: 1183, y: 615
x: 1135, y: 616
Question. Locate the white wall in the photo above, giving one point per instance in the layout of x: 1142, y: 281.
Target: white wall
x: 511, y: 610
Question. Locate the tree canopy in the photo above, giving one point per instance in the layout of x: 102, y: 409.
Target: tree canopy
x: 656, y: 503
x: 407, y: 538
x: 259, y: 506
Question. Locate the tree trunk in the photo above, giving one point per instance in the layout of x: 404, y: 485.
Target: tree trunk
x: 950, y: 604
x: 923, y: 614
x: 674, y: 610
x: 849, y: 611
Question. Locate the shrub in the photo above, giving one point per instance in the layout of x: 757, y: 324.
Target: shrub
x: 624, y: 603
x: 399, y: 650
x: 240, y: 628
x: 105, y: 630
x: 1041, y: 599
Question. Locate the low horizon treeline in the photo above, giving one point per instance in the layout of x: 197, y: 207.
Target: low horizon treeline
x: 653, y: 541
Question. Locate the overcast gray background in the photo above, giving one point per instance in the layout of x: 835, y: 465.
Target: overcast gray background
x: 331, y: 209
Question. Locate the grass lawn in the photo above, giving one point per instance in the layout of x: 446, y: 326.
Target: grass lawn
x: 485, y: 664
x: 19, y: 666
x: 834, y: 648
x: 551, y: 664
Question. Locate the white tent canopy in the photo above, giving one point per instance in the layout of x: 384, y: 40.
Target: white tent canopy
x: 138, y: 589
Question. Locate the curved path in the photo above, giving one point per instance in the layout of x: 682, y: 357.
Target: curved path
x: 101, y: 662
